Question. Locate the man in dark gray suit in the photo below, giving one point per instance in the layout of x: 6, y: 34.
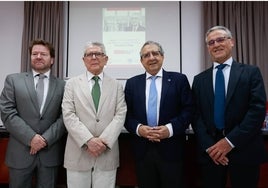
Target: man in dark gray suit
x: 233, y: 143
x: 36, y: 130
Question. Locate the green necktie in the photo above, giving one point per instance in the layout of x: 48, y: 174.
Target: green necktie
x: 96, y: 92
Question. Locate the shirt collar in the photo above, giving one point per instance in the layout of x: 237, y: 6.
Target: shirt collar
x: 228, y: 62
x: 90, y: 75
x: 37, y: 73
x: 159, y: 74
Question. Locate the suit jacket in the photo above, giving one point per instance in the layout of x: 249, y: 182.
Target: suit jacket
x: 244, y: 113
x: 20, y: 115
x: 83, y: 122
x: 175, y: 108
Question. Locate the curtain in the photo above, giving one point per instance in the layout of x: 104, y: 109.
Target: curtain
x: 248, y: 22
x: 43, y: 20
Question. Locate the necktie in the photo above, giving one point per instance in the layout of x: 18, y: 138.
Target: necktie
x: 96, y: 92
x: 40, y: 89
x: 219, y: 98
x: 152, y: 104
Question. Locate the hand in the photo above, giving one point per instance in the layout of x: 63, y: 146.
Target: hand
x: 96, y: 146
x: 218, y: 152
x: 37, y: 143
x: 154, y: 134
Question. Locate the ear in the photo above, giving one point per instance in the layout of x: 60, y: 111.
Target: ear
x: 52, y: 61
x: 106, y: 59
x: 232, y: 42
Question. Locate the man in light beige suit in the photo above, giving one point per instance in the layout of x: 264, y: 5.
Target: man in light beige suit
x: 92, y: 151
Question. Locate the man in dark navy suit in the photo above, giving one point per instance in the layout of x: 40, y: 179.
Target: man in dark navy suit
x: 238, y: 146
x: 158, y: 146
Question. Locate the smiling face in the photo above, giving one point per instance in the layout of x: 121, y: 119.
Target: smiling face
x: 151, y: 58
x: 41, y: 59
x: 219, y: 46
x: 95, y: 59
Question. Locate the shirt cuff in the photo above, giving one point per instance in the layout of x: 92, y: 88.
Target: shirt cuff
x: 229, y: 142
x: 137, y: 130
x: 170, y: 129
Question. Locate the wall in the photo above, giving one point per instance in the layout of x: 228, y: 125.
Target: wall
x: 193, y: 42
x: 11, y: 20
x: 162, y: 25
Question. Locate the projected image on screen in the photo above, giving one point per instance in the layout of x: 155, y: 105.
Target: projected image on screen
x: 123, y: 34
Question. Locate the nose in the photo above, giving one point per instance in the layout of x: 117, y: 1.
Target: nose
x: 151, y: 56
x: 94, y: 56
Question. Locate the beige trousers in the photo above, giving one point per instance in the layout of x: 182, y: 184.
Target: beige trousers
x: 91, y: 179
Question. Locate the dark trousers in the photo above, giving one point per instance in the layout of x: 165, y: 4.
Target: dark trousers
x: 155, y: 172
x: 215, y: 176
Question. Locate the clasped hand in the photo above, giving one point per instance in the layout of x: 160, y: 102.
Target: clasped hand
x: 154, y: 134
x: 218, y: 152
x: 37, y: 143
x: 96, y: 146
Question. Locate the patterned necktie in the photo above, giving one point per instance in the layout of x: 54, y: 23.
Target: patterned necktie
x: 152, y: 104
x: 40, y: 89
x: 96, y: 92
x: 219, y: 98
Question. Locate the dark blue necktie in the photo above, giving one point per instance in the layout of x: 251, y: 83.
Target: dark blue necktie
x: 152, y: 104
x: 219, y: 98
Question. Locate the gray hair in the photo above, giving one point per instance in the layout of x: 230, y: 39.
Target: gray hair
x: 160, y: 49
x: 219, y: 27
x: 99, y: 44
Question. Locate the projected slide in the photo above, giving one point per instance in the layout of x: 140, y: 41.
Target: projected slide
x: 123, y: 27
x: 123, y: 34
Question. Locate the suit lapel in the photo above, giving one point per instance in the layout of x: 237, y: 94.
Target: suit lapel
x: 208, y: 86
x: 166, y: 81
x: 29, y: 82
x: 141, y: 87
x: 86, y: 90
x: 50, y: 92
x: 233, y: 80
x: 106, y: 87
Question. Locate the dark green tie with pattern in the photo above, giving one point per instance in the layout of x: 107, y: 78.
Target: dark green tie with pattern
x: 96, y: 92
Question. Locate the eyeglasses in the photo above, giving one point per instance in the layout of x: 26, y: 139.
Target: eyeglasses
x: 96, y: 54
x: 218, y: 40
x: 148, y: 55
x: 35, y: 54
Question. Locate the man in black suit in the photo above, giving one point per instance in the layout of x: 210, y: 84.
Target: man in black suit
x: 36, y: 129
x: 237, y: 147
x: 158, y: 146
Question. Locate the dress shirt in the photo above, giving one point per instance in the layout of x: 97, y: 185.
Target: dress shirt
x: 46, y: 84
x: 226, y: 72
x: 158, y: 84
x: 91, y: 82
